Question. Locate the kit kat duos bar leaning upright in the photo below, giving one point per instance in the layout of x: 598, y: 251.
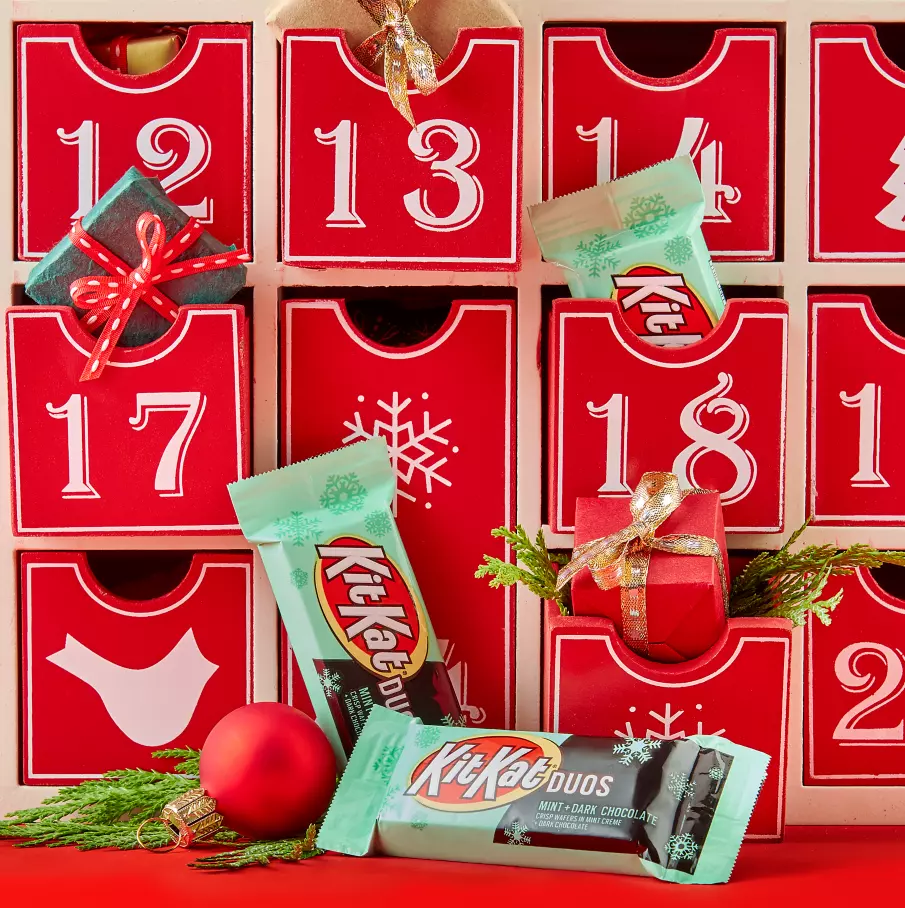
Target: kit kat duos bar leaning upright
x: 345, y: 589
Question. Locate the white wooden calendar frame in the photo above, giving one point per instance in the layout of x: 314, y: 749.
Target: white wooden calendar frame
x: 268, y: 276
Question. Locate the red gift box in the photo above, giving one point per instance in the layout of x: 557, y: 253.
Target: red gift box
x: 686, y: 613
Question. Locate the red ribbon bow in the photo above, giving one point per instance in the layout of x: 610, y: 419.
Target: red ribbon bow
x: 110, y: 301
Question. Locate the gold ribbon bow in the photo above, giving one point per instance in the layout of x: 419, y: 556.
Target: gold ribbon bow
x: 622, y: 559
x: 406, y: 55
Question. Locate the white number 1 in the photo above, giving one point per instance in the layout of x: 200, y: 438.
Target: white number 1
x: 345, y: 138
x: 615, y: 412
x: 75, y: 412
x: 168, y: 481
x: 867, y: 402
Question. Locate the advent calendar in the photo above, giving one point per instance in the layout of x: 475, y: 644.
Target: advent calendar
x: 502, y: 410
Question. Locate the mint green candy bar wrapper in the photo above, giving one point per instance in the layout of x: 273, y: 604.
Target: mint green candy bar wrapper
x: 638, y: 240
x: 345, y: 589
x: 674, y: 810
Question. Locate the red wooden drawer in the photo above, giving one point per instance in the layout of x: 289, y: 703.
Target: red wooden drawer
x: 854, y: 733
x: 856, y: 472
x: 361, y: 188
x: 292, y: 685
x: 148, y: 447
x: 713, y: 412
x: 604, y: 121
x: 106, y: 680
x: 595, y: 685
x: 447, y: 410
x: 858, y: 139
x: 81, y: 126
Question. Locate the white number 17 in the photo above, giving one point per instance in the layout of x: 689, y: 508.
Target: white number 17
x: 168, y: 479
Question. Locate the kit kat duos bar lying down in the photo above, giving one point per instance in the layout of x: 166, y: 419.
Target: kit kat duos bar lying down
x: 674, y: 810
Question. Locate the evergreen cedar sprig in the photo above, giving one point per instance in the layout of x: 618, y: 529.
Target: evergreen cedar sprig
x: 262, y: 853
x: 539, y: 567
x: 106, y: 812
x: 788, y: 584
x: 781, y: 584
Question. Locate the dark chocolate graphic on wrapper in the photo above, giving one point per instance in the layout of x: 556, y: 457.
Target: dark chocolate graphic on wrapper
x: 638, y: 796
x: 352, y: 691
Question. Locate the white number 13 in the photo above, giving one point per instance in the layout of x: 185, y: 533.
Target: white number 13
x: 421, y: 144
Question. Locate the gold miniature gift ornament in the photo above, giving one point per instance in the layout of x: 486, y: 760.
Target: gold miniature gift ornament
x: 406, y: 55
x: 191, y: 818
x: 622, y: 559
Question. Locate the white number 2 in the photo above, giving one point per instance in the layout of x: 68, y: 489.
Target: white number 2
x: 852, y: 679
x: 150, y: 146
x: 168, y: 480
x: 421, y: 144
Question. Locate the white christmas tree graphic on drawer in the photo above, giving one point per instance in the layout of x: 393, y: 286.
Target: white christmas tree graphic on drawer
x: 417, y: 454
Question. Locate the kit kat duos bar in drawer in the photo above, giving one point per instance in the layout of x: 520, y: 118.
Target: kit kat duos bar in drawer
x: 604, y: 121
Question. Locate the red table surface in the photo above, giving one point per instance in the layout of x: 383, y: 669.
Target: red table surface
x: 829, y: 865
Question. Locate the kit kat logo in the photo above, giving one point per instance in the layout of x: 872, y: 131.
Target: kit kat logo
x: 370, y: 607
x: 659, y: 306
x: 483, y: 772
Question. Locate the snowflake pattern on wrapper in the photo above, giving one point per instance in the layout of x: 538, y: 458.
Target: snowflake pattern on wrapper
x: 682, y: 847
x: 640, y: 749
x: 596, y: 256
x: 649, y: 216
x: 414, y: 452
x: 385, y: 763
x: 515, y: 834
x: 332, y: 682
x: 681, y: 786
x: 678, y: 250
x: 343, y: 493
x: 377, y: 523
x: 428, y: 736
x: 716, y: 773
x: 297, y: 528
x: 299, y: 578
x: 448, y: 720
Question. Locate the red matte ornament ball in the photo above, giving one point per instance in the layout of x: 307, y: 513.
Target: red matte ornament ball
x: 270, y: 769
